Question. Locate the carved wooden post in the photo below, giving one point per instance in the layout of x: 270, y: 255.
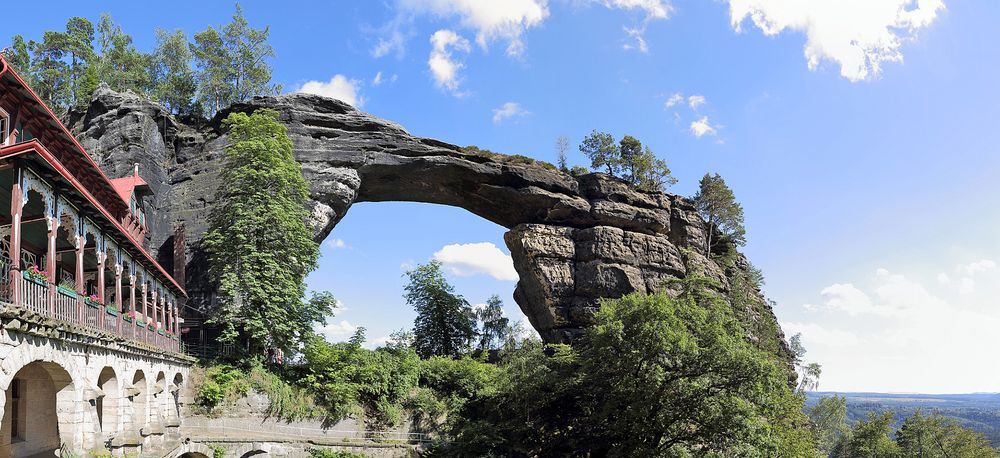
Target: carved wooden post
x: 81, y: 242
x: 131, y: 291
x: 118, y: 293
x: 145, y: 291
x: 153, y: 308
x: 101, y: 259
x: 50, y: 261
x: 16, y: 206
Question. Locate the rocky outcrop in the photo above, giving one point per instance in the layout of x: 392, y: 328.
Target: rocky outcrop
x: 574, y: 240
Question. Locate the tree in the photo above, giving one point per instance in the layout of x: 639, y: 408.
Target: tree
x: 600, y: 147
x: 717, y: 205
x: 248, y: 49
x: 121, y: 66
x: 51, y: 74
x: 173, y: 78
x: 655, y: 376
x: 496, y: 327
x: 562, y: 145
x: 213, y: 70
x: 232, y: 64
x: 935, y: 436
x: 870, y: 438
x: 829, y: 422
x: 79, y: 44
x: 445, y: 323
x: 808, y: 372
x: 259, y: 248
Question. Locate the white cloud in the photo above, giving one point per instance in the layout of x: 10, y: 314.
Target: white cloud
x: 815, y: 334
x: 847, y: 298
x: 336, y: 331
x: 654, y: 9
x: 943, y: 278
x: 636, y: 33
x: 696, y: 101
x: 377, y: 342
x: 674, y: 99
x: 443, y: 65
x: 336, y: 244
x: 966, y: 286
x: 469, y: 259
x: 339, y: 87
x: 378, y: 80
x: 492, y: 20
x: 859, y: 35
x: 702, y: 127
x: 982, y: 265
x: 508, y: 110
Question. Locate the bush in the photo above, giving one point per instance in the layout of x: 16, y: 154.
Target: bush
x: 330, y: 453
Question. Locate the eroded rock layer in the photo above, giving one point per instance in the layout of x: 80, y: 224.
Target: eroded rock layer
x: 574, y: 240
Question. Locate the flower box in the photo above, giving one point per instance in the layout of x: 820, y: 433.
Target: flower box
x: 127, y: 319
x: 92, y: 303
x: 33, y: 278
x: 160, y: 332
x: 138, y: 322
x: 69, y: 292
x: 111, y: 310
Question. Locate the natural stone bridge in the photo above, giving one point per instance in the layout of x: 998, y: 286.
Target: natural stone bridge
x: 573, y: 239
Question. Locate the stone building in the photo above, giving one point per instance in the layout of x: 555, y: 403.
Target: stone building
x: 89, y: 349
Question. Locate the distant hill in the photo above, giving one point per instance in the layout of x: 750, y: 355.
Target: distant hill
x: 976, y: 411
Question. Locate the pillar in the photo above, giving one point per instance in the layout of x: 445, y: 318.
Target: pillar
x: 16, y: 206
x: 118, y: 294
x: 101, y: 259
x: 145, y: 291
x: 50, y: 261
x: 153, y: 308
x: 81, y: 241
x: 131, y: 292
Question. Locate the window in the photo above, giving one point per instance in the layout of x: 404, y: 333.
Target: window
x: 16, y: 426
x: 4, y: 127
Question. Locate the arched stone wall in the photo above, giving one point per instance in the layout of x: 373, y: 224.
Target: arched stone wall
x: 89, y: 376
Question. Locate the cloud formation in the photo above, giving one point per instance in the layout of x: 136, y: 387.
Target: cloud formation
x: 508, y: 110
x: 858, y: 35
x: 443, y: 65
x: 470, y: 259
x: 702, y: 127
x: 336, y: 331
x: 492, y: 20
x: 339, y: 87
x: 378, y: 80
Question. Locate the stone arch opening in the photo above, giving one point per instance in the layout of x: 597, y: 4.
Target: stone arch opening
x: 37, y: 401
x: 194, y: 455
x: 255, y: 453
x: 363, y: 258
x: 139, y: 394
x: 109, y: 403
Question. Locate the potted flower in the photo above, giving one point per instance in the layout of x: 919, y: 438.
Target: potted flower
x: 93, y: 301
x: 36, y: 275
x: 111, y: 309
x: 130, y: 316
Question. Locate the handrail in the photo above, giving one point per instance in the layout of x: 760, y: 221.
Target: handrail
x: 304, y: 433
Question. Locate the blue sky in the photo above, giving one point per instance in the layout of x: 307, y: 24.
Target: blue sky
x: 860, y: 136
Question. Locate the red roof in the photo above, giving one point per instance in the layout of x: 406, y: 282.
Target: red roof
x: 125, y: 186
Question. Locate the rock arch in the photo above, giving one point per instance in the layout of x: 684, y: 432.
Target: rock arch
x: 138, y: 393
x: 574, y: 239
x: 108, y: 403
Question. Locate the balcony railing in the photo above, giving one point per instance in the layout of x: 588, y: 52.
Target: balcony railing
x: 67, y: 306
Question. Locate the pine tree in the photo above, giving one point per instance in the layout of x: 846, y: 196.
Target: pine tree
x: 600, y: 147
x: 562, y: 145
x: 79, y: 44
x: 717, y: 205
x: 259, y: 248
x: 173, y: 78
x: 445, y: 324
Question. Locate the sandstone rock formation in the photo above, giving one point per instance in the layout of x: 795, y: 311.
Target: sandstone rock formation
x: 573, y: 239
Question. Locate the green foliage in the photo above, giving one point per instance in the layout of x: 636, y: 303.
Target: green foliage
x: 64, y: 68
x: 345, y: 375
x: 869, y: 439
x: 330, y: 453
x: 496, y: 328
x: 655, y: 376
x: 173, y: 78
x: 829, y: 422
x: 718, y: 206
x: 258, y: 246
x: 562, y: 145
x: 937, y: 437
x: 445, y: 323
x: 505, y: 158
x: 222, y: 383
x: 218, y: 451
x: 628, y: 160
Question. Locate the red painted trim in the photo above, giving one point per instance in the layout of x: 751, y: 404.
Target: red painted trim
x: 65, y: 131
x: 36, y: 147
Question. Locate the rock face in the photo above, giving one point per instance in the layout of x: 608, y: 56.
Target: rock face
x: 574, y: 240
